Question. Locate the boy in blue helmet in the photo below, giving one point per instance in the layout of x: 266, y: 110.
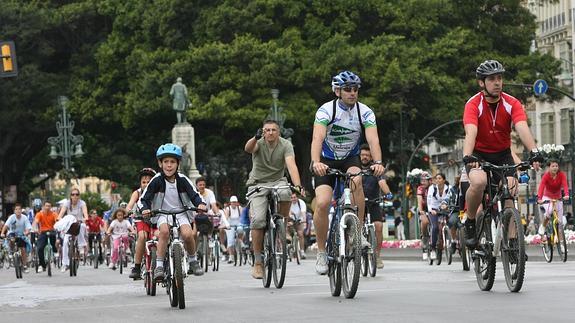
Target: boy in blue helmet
x: 170, y: 190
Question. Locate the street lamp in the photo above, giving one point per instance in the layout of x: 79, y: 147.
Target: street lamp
x: 277, y: 115
x: 65, y: 142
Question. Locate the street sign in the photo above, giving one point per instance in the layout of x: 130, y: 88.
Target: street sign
x: 540, y: 87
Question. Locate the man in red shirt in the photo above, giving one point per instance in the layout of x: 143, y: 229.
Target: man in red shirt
x: 488, y: 118
x: 95, y: 226
x: 550, y: 189
x: 45, y: 220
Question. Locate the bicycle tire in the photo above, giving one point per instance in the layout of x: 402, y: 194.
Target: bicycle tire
x: 547, y: 248
x: 295, y: 243
x: 364, y: 263
x: 77, y: 263
x: 48, y: 255
x: 484, y: 266
x: 280, y: 252
x: 179, y: 275
x: 35, y: 259
x: 561, y: 242
x: 439, y: 253
x: 153, y: 284
x: 513, y: 250
x: 216, y: 256
x: 72, y: 258
x: 350, y: 268
x: 18, y: 265
x: 238, y: 252
x: 267, y: 259
x: 95, y: 255
x: 205, y: 253
x: 121, y: 258
x: 463, y: 251
x: 170, y: 282
x: 334, y: 273
x: 372, y: 257
x: 447, y: 244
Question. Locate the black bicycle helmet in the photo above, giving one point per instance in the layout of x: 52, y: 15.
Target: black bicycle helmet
x: 487, y: 68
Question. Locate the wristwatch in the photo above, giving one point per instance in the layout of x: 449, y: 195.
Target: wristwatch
x: 377, y: 162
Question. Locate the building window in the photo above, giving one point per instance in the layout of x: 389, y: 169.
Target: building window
x: 547, y: 128
x: 565, y: 56
x: 566, y: 124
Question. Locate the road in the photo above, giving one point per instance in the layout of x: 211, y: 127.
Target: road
x: 404, y: 291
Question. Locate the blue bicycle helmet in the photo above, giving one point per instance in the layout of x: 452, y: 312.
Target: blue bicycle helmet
x: 169, y: 150
x: 345, y: 78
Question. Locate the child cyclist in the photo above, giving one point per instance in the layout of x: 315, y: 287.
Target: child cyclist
x: 144, y: 228
x: 172, y: 190
x: 119, y: 229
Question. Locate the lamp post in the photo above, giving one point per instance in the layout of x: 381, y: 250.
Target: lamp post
x: 277, y: 115
x: 66, y: 144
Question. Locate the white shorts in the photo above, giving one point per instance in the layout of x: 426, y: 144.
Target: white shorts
x: 181, y: 218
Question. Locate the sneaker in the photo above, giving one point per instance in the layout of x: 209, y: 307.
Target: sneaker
x: 194, y: 268
x: 541, y: 230
x: 321, y: 263
x: 470, y: 238
x: 433, y: 255
x: 364, y: 242
x: 136, y: 274
x: 159, y: 274
x: 230, y: 261
x: 26, y: 269
x: 379, y: 263
x: 64, y: 268
x: 258, y: 270
x: 425, y: 241
x: 424, y: 254
x: 302, y: 254
x: 562, y: 247
x: 111, y: 266
x: 453, y: 247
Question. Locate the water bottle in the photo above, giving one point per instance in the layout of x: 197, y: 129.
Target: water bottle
x: 524, y: 178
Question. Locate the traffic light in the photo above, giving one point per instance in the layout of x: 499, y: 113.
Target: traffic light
x: 8, y: 68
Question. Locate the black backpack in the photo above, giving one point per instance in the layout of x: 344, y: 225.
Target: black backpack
x: 362, y: 139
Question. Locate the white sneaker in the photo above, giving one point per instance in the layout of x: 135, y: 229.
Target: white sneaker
x: 541, y: 230
x: 321, y: 263
x: 425, y: 256
x: 64, y: 268
x: 433, y: 255
x: 562, y: 248
x: 364, y: 242
x: 111, y: 266
x: 302, y: 254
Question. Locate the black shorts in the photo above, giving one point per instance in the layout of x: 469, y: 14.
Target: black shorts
x: 500, y: 158
x: 343, y: 165
x: 464, y: 186
x: 375, y: 212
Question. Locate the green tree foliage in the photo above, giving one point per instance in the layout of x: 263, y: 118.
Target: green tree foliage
x: 415, y: 56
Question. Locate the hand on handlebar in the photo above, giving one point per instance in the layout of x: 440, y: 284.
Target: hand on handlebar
x: 377, y: 169
x: 318, y: 168
x: 202, y: 208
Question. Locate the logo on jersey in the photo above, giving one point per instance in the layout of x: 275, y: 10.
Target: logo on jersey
x: 340, y: 131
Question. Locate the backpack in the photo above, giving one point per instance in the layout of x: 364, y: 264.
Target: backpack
x: 362, y: 137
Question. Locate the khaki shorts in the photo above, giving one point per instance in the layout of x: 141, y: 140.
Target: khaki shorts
x: 259, y: 203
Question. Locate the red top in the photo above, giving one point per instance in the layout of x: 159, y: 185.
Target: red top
x: 423, y: 192
x: 551, y: 187
x: 493, y: 129
x: 94, y: 224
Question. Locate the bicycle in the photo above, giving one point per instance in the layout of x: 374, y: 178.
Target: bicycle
x: 293, y: 246
x: 4, y: 258
x: 122, y: 260
x: 175, y: 266
x: 48, y: 252
x: 73, y: 255
x: 275, y: 244
x: 34, y: 261
x: 444, y: 241
x: 205, y: 229
x: 150, y: 265
x: 464, y: 252
x: 369, y: 256
x: 14, y: 253
x: 214, y: 244
x: 96, y: 248
x: 509, y: 237
x: 343, y: 246
x: 555, y: 235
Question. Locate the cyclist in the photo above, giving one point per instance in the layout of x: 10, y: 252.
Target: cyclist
x: 45, y: 220
x: 142, y: 227
x: 372, y: 185
x: 298, y: 211
x: 119, y: 229
x: 553, y: 186
x: 422, y: 189
x: 487, y: 119
x: 18, y: 225
x: 78, y: 208
x: 437, y: 194
x: 172, y: 190
x: 337, y: 132
x: 232, y: 214
x: 95, y: 226
x: 271, y: 155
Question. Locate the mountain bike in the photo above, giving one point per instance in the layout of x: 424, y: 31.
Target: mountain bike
x: 175, y: 265
x: 73, y: 255
x: 499, y: 231
x: 343, y: 246
x: 150, y: 265
x: 293, y: 246
x: 34, y: 261
x: 49, y: 251
x: 555, y: 235
x: 96, y: 248
x: 444, y: 241
x: 205, y: 229
x: 275, y: 244
x: 369, y: 256
x: 15, y: 253
x: 122, y: 254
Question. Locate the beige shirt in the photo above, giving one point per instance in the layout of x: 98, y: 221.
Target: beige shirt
x: 269, y: 162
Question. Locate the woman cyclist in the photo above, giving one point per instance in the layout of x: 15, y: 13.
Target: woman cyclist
x: 422, y: 207
x: 553, y: 186
x: 437, y: 194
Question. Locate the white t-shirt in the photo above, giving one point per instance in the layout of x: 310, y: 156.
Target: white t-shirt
x: 171, y: 197
x: 120, y: 228
x: 208, y: 197
x: 299, y: 209
x: 234, y: 214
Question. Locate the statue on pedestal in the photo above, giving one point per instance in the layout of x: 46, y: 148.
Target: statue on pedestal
x: 181, y: 100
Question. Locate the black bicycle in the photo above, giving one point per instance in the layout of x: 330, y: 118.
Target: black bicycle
x: 275, y: 243
x: 505, y: 221
x: 369, y: 256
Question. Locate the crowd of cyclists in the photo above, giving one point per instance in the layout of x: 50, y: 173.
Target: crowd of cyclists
x: 345, y: 138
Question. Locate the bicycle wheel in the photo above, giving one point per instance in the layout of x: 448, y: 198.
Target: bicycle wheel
x: 463, y: 251
x: 268, y: 259
x: 334, y: 273
x: 296, y: 247
x: 238, y: 252
x: 561, y: 243
x: 547, y: 247
x: 372, y: 257
x: 121, y: 259
x: 35, y: 260
x: 48, y: 255
x: 205, y: 253
x: 483, y: 259
x: 95, y: 255
x: 153, y: 284
x: 179, y: 275
x: 447, y: 244
x: 216, y: 256
x: 513, y: 249
x: 364, y: 262
x: 18, y: 265
x: 350, y: 266
x: 170, y: 281
x: 280, y: 252
x: 72, y: 257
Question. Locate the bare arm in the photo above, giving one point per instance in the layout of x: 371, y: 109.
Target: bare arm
x: 384, y: 187
x: 319, y: 133
x: 292, y: 169
x: 251, y: 145
x: 470, y: 136
x: 373, y: 140
x: 524, y: 133
x: 62, y: 212
x: 133, y: 200
x: 85, y: 212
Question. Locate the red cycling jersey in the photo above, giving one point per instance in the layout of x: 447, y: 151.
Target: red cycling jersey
x: 551, y: 187
x: 94, y: 224
x: 493, y: 129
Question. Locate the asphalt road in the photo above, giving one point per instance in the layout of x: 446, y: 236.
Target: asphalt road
x: 406, y: 290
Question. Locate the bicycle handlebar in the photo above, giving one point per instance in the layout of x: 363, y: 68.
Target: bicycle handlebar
x: 337, y: 172
x: 258, y: 189
x: 524, y: 165
x: 176, y: 211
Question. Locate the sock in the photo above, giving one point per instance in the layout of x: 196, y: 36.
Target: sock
x: 193, y: 258
x: 159, y: 262
x: 137, y: 266
x: 258, y: 257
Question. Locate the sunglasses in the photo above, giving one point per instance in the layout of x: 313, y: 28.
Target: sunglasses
x: 350, y: 88
x: 75, y: 194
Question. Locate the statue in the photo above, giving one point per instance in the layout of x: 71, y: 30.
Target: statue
x: 181, y: 101
x: 186, y: 160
